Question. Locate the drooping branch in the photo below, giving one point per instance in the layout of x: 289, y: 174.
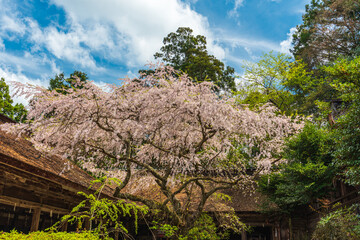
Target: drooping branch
x: 162, y: 130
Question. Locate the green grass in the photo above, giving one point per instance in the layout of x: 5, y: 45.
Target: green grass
x: 14, y: 235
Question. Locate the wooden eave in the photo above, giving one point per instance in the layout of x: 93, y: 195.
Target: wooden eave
x: 20, y: 168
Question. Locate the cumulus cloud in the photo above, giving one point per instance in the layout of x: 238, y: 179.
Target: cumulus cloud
x: 251, y: 44
x: 2, y: 45
x: 191, y: 1
x: 10, y: 23
x: 65, y: 46
x: 114, y: 32
x: 129, y: 31
x: 126, y: 32
x: 40, y: 65
x: 10, y: 76
x: 287, y: 44
x: 237, y: 4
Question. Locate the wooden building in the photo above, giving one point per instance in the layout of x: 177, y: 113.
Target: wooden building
x: 35, y: 190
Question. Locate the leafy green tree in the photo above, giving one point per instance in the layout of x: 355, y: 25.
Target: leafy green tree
x: 346, y: 79
x: 308, y: 174
x: 278, y: 79
x: 186, y: 52
x: 17, y: 111
x: 59, y: 82
x: 330, y: 29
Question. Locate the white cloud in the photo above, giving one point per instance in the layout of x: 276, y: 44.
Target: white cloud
x: 39, y: 64
x: 191, y: 1
x: 11, y: 24
x: 9, y: 76
x: 287, y: 44
x: 2, y: 45
x: 130, y: 31
x: 234, y: 12
x: 131, y: 74
x: 66, y: 46
x: 11, y: 27
x: 251, y: 44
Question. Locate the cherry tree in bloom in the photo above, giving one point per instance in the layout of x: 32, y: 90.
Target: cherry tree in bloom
x: 160, y: 133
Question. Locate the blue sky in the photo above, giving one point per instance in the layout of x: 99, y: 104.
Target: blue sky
x: 110, y: 39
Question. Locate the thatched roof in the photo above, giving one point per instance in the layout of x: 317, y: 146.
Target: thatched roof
x: 17, y: 152
x: 241, y: 200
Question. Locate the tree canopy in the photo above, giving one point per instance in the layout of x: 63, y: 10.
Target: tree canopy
x: 60, y: 83
x: 163, y: 133
x: 17, y: 111
x: 280, y: 80
x: 330, y: 29
x: 186, y: 52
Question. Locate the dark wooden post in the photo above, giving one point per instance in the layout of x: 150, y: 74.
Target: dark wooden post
x: 243, y: 235
x: 35, y: 220
x: 64, y: 227
x: 116, y: 235
x: 87, y: 223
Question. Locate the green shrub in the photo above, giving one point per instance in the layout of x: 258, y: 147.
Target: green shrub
x: 341, y: 224
x: 14, y: 235
x: 306, y: 177
x: 107, y: 212
x: 204, y: 229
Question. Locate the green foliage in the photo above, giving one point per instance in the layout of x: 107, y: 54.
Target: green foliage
x: 188, y: 53
x: 278, y: 79
x: 14, y: 235
x: 59, y: 83
x: 308, y: 174
x: 17, y: 111
x: 169, y: 231
x: 313, y: 145
x: 330, y: 29
x: 203, y: 229
x: 105, y: 212
x: 230, y: 222
x: 343, y: 223
x: 346, y: 79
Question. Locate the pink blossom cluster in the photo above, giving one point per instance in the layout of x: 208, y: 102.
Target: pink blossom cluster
x: 162, y: 123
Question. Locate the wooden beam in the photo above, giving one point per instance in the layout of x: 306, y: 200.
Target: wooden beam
x: 87, y: 223
x: 35, y: 220
x: 19, y: 168
x: 32, y: 205
x: 65, y: 196
x: 12, y: 163
x: 243, y: 235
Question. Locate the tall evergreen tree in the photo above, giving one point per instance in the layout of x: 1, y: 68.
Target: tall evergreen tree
x: 186, y: 52
x: 60, y: 83
x: 17, y: 111
x: 330, y: 29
